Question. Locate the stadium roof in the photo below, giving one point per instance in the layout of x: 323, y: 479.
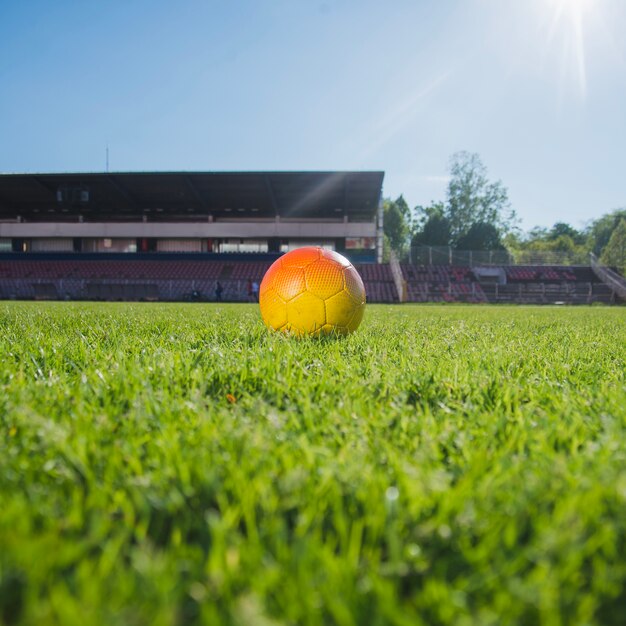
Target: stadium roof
x: 180, y: 195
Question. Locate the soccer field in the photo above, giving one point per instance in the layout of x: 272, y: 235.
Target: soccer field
x: 175, y: 464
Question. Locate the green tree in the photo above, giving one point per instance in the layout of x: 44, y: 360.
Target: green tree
x: 614, y: 253
x: 396, y: 221
x: 404, y: 208
x: 431, y: 226
x: 480, y: 236
x: 436, y: 232
x: 561, y: 243
x: 561, y: 228
x: 538, y: 233
x: 473, y: 199
x: 601, y: 230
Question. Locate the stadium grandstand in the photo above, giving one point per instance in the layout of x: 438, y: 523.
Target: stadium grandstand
x: 174, y: 235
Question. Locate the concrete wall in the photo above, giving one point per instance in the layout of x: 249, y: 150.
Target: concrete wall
x: 171, y: 230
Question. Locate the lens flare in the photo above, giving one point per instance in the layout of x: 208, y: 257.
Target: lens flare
x: 567, y: 24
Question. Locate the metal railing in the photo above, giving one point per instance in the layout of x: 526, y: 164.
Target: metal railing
x: 398, y: 278
x: 445, y: 255
x: 610, y: 278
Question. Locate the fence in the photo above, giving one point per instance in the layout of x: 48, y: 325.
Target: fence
x: 444, y: 255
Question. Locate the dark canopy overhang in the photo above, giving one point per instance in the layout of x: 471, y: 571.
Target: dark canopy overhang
x: 189, y: 195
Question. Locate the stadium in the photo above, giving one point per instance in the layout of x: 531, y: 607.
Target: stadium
x: 451, y: 452
x: 313, y: 313
x: 157, y: 236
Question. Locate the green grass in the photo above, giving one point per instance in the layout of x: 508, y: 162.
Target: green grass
x: 443, y: 465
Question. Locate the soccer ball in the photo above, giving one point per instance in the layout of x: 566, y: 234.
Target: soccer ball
x: 312, y: 291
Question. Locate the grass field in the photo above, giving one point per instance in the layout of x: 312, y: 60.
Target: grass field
x: 173, y: 464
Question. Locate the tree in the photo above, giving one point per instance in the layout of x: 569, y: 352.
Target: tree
x: 396, y: 224
x: 614, y: 253
x: 563, y: 243
x: 480, y: 236
x: 601, y: 230
x: 563, y: 229
x: 431, y: 227
x: 436, y: 232
x: 403, y: 207
x: 473, y: 199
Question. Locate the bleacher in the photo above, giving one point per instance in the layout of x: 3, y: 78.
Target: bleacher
x: 378, y: 281
x: 441, y: 283
x: 524, y: 285
x: 550, y: 285
x: 166, y: 277
x: 126, y: 269
x: 175, y: 277
x: 539, y: 274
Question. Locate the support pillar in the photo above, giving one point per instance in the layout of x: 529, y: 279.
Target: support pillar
x: 379, y: 231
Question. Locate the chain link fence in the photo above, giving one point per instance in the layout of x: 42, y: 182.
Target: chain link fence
x: 444, y: 255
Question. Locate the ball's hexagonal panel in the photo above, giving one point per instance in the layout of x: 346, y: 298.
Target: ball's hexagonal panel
x: 306, y: 313
x: 329, y: 329
x: 335, y: 256
x: 289, y: 282
x: 324, y: 278
x: 301, y: 257
x: 341, y: 309
x: 353, y: 324
x: 273, y: 309
x: 354, y: 284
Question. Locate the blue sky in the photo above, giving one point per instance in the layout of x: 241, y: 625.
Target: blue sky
x: 536, y: 87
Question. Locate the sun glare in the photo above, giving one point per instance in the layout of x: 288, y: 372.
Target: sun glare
x: 567, y: 20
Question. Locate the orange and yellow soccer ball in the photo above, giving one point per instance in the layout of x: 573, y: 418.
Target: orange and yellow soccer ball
x: 312, y: 291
